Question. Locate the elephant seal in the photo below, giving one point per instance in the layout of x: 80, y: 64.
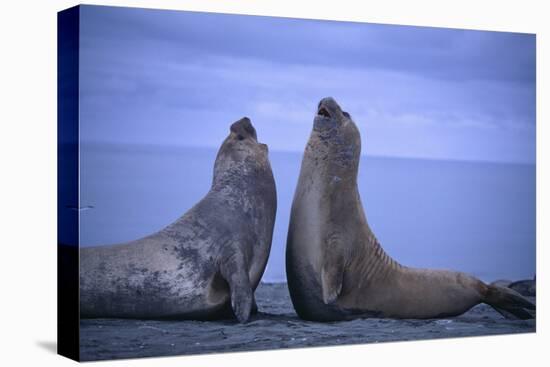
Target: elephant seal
x: 527, y: 287
x: 205, y: 264
x: 336, y: 268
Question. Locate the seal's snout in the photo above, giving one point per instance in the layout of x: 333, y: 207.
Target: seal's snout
x: 328, y: 107
x: 243, y: 129
x: 245, y: 120
x: 329, y: 114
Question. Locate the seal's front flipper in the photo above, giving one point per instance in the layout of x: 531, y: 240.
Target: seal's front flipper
x: 332, y: 277
x: 241, y: 302
x: 235, y: 273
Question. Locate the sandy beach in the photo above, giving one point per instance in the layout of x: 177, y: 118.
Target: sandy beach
x: 275, y: 326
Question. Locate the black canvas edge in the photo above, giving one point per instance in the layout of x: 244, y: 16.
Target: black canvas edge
x: 68, y: 318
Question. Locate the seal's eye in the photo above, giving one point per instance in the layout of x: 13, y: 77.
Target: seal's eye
x: 240, y: 137
x: 346, y: 114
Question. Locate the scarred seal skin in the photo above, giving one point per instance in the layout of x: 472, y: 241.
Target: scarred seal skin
x: 336, y: 268
x: 205, y: 265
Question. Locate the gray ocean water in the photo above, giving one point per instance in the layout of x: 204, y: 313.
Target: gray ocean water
x: 469, y: 216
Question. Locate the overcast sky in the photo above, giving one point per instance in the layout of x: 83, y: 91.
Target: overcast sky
x: 181, y: 78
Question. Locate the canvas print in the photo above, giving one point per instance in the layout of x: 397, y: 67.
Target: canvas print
x: 235, y: 183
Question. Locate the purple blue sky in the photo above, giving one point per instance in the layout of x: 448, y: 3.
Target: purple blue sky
x: 180, y: 78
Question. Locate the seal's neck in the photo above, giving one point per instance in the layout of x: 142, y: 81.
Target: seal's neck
x: 333, y: 164
x: 240, y: 177
x: 332, y: 167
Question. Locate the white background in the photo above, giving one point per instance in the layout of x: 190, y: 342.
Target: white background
x: 28, y: 182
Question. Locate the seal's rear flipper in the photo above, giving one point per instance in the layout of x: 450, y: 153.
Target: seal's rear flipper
x: 234, y: 271
x: 518, y: 314
x: 509, y: 303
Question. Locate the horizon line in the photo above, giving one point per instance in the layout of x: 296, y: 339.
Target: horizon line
x: 278, y: 150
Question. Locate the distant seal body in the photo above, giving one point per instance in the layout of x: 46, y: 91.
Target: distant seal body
x: 206, y: 263
x: 337, y: 270
x: 527, y: 287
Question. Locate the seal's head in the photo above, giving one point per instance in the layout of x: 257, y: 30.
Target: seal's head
x: 335, y: 136
x: 243, y: 141
x: 241, y: 152
x: 243, y: 129
x: 329, y: 115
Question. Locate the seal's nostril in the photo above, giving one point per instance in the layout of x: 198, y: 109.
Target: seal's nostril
x: 240, y: 137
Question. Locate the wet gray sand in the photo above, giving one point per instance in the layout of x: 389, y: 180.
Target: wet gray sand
x: 275, y: 326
